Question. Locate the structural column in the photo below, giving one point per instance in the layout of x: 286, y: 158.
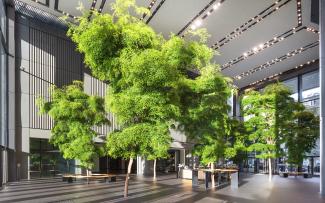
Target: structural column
x: 322, y: 94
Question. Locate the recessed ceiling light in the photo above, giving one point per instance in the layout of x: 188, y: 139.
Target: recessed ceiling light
x: 198, y: 22
x: 193, y: 27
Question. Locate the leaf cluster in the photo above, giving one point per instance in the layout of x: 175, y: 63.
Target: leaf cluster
x: 75, y: 114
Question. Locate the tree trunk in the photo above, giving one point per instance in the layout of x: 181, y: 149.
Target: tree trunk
x: 270, y: 169
x: 126, y: 186
x: 87, y: 172
x: 154, y: 169
x: 212, y: 175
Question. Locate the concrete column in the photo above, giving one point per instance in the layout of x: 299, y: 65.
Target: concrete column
x: 140, y: 165
x: 322, y: 93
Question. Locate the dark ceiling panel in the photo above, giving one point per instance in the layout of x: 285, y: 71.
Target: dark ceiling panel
x: 314, y: 11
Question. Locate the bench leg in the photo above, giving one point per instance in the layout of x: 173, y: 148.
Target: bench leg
x: 70, y: 180
x: 113, y: 179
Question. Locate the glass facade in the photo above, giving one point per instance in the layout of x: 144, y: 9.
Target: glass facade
x: 293, y: 85
x: 305, y: 89
x: 310, y: 91
x: 46, y: 160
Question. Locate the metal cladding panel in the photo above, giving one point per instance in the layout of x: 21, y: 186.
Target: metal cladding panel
x: 53, y: 61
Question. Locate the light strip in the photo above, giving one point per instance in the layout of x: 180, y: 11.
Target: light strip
x: 274, y: 61
x: 299, y: 12
x: 252, y: 22
x: 101, y: 7
x: 310, y: 29
x: 262, y: 47
x: 155, y: 11
x: 281, y: 73
x: 193, y: 24
x: 152, y: 3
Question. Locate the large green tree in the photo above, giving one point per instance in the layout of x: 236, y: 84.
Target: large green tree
x: 266, y: 116
x: 145, y: 72
x: 273, y: 118
x: 75, y: 113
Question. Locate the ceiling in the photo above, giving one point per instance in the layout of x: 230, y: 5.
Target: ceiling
x: 256, y: 39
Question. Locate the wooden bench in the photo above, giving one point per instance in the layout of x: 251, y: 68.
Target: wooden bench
x: 74, y: 177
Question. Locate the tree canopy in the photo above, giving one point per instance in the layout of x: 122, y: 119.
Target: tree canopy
x: 148, y: 75
x: 278, y: 125
x: 75, y: 114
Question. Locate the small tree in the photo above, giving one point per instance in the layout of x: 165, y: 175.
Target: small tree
x: 302, y: 137
x: 75, y: 114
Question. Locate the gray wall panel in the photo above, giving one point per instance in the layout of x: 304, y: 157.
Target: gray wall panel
x: 46, y: 57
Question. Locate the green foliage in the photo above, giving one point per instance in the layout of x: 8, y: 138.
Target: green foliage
x: 302, y: 136
x: 158, y: 143
x: 144, y: 139
x: 210, y: 149
x: 266, y: 113
x: 204, y: 112
x: 274, y: 118
x: 151, y: 84
x: 237, y: 140
x: 75, y: 114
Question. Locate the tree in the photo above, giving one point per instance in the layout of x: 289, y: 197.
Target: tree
x: 302, y: 137
x: 267, y: 114
x: 259, y: 110
x: 205, y: 113
x: 145, y: 73
x: 75, y: 114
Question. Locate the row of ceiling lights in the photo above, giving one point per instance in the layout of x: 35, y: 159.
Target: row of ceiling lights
x: 278, y: 74
x: 197, y: 23
x: 262, y: 46
x: 238, y: 31
x: 276, y: 60
x: 253, y: 21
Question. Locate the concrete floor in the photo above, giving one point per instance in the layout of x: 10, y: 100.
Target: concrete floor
x: 253, y: 188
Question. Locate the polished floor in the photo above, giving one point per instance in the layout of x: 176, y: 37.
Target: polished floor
x: 252, y: 188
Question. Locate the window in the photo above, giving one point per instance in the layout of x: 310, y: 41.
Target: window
x: 293, y: 85
x: 45, y: 160
x: 310, y: 91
